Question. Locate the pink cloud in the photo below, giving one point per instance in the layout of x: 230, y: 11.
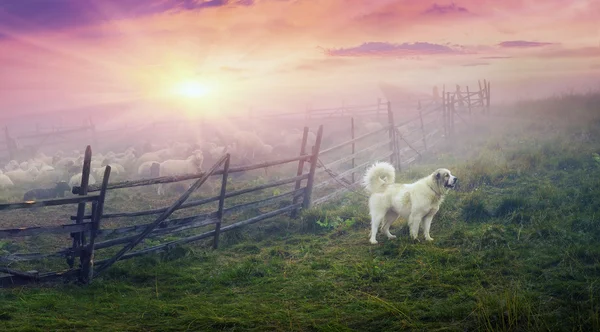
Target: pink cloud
x: 523, y: 44
x: 390, y: 49
x: 452, y: 8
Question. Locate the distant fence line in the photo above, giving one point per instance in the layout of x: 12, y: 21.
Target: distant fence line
x: 403, y: 148
x: 24, y: 145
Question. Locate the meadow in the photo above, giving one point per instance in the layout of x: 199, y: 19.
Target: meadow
x: 515, y: 249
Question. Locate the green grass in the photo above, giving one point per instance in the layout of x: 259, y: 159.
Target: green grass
x: 515, y: 249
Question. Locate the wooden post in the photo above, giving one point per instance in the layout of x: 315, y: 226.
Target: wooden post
x: 221, y: 202
x: 79, y: 238
x: 87, y: 257
x: 444, y: 101
x: 469, y: 99
x: 452, y: 111
x: 394, y: 158
x: 306, y: 204
x: 422, y: 126
x: 488, y: 97
x: 300, y: 170
x: 481, y: 97
x: 353, y: 146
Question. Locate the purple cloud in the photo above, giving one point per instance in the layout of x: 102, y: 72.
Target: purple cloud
x: 522, y: 44
x: 35, y: 15
x: 389, y: 49
x: 452, y: 8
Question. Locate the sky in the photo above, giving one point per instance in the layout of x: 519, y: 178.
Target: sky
x: 285, y: 55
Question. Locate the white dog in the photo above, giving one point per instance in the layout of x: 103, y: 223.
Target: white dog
x: 416, y: 203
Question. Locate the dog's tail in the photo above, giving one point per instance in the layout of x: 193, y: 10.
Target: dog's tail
x: 378, y: 176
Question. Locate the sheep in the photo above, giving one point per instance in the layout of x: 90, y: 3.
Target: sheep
x: 43, y: 193
x: 172, y: 167
x: 250, y: 142
x: 12, y: 165
x: 76, y: 180
x: 144, y: 171
x: 49, y: 175
x: 21, y: 177
x: 115, y: 169
x: 43, y: 158
x: 159, y: 155
x: 5, y: 182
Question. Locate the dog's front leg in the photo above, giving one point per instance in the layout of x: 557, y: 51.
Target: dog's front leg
x: 414, y: 221
x: 427, y: 225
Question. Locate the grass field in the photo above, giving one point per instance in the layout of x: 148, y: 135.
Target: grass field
x: 516, y: 249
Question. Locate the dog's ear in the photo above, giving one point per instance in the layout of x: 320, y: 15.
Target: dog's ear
x: 437, y: 175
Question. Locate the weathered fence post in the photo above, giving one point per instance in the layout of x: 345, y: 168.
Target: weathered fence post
x: 353, y: 147
x: 79, y: 238
x: 422, y: 126
x: 307, y: 203
x: 221, y: 202
x: 392, y: 135
x: 488, y: 97
x: 481, y: 97
x: 87, y: 256
x: 469, y: 99
x: 452, y: 111
x: 444, y: 102
x: 300, y: 170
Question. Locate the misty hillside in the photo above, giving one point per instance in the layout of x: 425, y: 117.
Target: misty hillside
x: 515, y: 249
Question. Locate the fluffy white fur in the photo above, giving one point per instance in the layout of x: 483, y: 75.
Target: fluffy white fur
x: 416, y: 203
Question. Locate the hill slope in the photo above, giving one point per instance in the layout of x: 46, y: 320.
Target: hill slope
x: 516, y: 249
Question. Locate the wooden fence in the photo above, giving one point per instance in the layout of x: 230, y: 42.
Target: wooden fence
x: 402, y: 143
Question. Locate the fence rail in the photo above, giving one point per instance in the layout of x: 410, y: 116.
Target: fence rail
x: 332, y: 172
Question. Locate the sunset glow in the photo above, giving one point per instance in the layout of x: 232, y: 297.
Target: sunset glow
x: 191, y: 89
x: 288, y: 54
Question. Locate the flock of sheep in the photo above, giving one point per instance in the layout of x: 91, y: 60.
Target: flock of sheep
x: 50, y: 176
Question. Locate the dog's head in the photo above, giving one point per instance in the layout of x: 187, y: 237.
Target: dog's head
x: 444, y: 178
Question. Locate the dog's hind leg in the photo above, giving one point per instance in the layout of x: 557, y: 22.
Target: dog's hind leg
x: 376, y: 219
x: 390, y: 217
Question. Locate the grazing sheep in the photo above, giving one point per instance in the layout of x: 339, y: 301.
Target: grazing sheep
x: 249, y: 142
x: 5, y: 182
x: 21, y: 177
x: 12, y: 165
x: 116, y: 169
x: 144, y: 171
x: 159, y: 155
x: 43, y: 193
x: 76, y: 180
x: 173, y: 167
x: 49, y: 175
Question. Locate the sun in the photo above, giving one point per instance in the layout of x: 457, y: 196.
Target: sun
x: 192, y: 89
